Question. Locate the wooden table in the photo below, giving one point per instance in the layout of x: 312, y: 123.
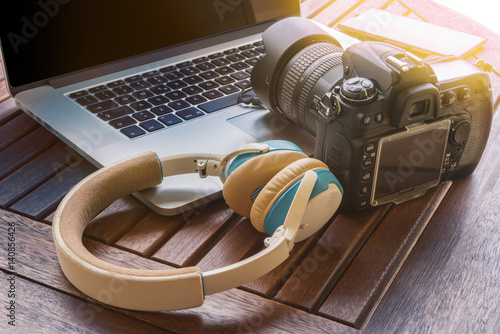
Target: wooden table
x: 426, y: 266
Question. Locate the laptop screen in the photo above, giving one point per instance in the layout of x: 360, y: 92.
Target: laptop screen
x: 48, y: 38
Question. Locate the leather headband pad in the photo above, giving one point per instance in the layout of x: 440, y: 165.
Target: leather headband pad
x: 147, y: 290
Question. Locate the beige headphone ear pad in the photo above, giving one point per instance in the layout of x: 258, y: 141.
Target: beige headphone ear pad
x: 277, y: 186
x: 253, y: 174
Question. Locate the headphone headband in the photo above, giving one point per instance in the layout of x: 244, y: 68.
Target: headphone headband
x: 165, y: 289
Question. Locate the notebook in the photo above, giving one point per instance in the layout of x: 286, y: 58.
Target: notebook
x: 117, y: 78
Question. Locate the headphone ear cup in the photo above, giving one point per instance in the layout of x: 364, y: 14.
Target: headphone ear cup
x: 278, y: 186
x: 244, y: 183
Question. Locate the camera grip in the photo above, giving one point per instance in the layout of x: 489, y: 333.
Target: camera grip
x: 481, y: 113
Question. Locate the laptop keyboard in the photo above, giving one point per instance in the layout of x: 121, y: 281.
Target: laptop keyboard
x: 160, y: 98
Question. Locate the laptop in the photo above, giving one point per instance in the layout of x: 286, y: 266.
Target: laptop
x: 117, y: 78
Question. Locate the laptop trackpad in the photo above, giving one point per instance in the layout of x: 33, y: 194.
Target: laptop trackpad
x: 263, y: 125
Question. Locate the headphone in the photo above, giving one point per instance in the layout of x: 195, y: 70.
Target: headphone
x: 284, y: 192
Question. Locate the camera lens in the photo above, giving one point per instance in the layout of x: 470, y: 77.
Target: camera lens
x: 299, y: 79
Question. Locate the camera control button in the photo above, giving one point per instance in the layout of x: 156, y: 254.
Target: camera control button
x: 367, y: 162
x: 364, y: 190
x: 358, y: 91
x: 370, y: 147
x: 366, y: 176
x: 449, y: 98
x: 366, y: 120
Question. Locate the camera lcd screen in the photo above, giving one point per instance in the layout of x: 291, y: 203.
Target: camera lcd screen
x: 409, y: 163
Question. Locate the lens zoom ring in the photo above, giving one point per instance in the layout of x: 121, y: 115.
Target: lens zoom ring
x: 296, y: 71
x: 319, y: 71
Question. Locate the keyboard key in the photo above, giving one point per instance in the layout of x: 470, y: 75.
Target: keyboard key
x: 175, y: 75
x: 200, y: 60
x: 190, y: 113
x: 208, y: 75
x: 161, y: 89
x: 143, y: 115
x: 175, y: 95
x: 240, y: 75
x: 169, y: 119
x: 102, y: 106
x: 243, y: 84
x: 116, y: 83
x: 205, y: 66
x: 218, y: 104
x: 133, y: 78
x: 239, y: 66
x: 151, y: 125
x: 229, y: 89
x: 224, y: 70
x: 231, y: 51
x: 212, y: 94
x: 250, y: 53
x: 105, y: 95
x: 220, y: 62
x: 122, y: 90
x: 155, y: 81
x: 157, y: 100
x: 207, y: 85
x: 141, y: 84
x: 125, y: 99
x: 177, y: 84
x: 190, y: 70
x: 142, y: 94
x: 167, y: 69
x: 194, y: 79
x: 252, y: 61
x: 196, y: 99
x: 160, y: 110
x: 115, y: 113
x: 78, y: 94
x: 122, y: 122
x: 191, y: 90
x: 184, y: 64
x: 236, y: 57
x: 140, y: 105
x: 150, y: 74
x: 177, y: 105
x: 86, y: 100
x: 246, y: 47
x: 224, y: 80
x: 133, y: 131
x: 216, y: 55
x: 97, y: 89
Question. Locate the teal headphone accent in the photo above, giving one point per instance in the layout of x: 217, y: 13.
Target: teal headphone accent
x: 277, y: 214
x: 274, y: 145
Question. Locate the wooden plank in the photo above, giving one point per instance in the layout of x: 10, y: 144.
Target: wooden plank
x: 191, y: 242
x: 44, y: 199
x: 359, y: 290
x: 31, y: 175
x: 149, y: 234
x: 25, y: 149
x: 269, y: 284
x: 233, y: 246
x: 232, y: 311
x: 16, y: 129
x: 38, y: 309
x: 116, y: 220
x: 8, y: 111
x: 315, y: 276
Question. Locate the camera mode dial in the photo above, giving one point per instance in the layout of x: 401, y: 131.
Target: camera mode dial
x: 358, y: 91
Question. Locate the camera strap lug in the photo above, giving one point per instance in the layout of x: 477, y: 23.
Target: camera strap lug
x: 328, y: 106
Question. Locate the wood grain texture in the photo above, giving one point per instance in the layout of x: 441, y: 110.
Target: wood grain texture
x: 315, y: 276
x: 369, y: 275
x: 233, y: 311
x: 189, y: 244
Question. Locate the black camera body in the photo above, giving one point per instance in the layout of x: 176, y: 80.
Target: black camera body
x: 388, y: 124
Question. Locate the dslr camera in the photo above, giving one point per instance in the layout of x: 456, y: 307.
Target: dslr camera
x: 388, y: 124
